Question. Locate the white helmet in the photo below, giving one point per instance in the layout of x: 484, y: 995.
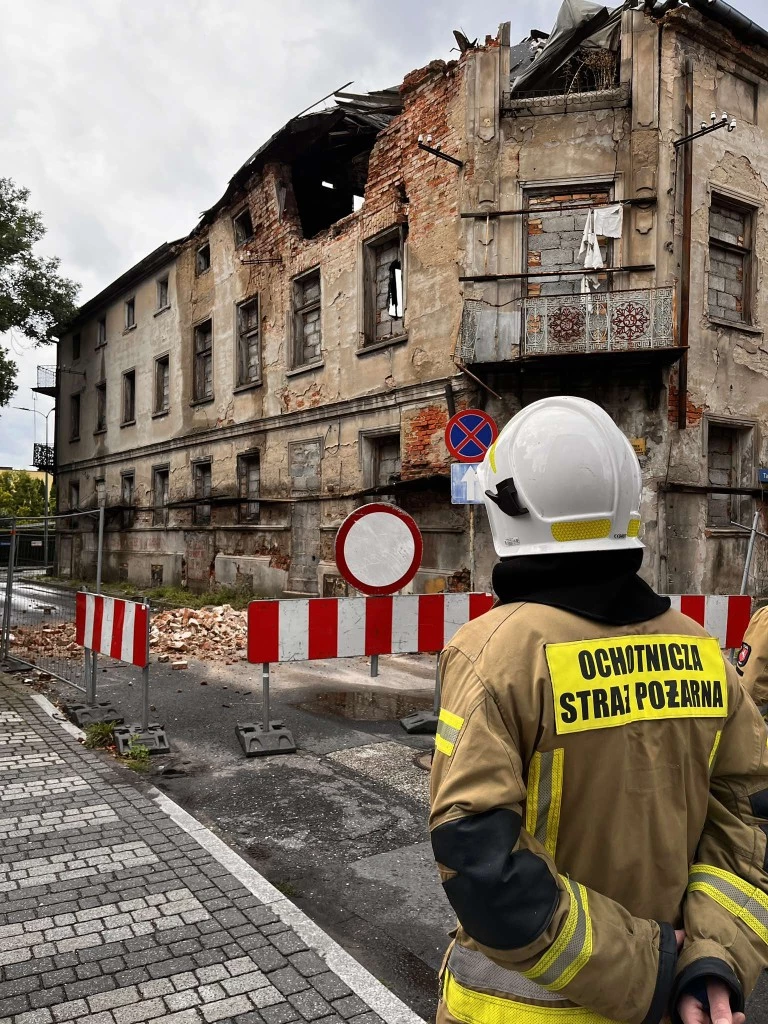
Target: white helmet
x: 561, y: 477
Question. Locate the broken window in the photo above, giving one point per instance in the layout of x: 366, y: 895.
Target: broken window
x: 730, y: 260
x: 307, y: 326
x: 160, y: 492
x: 203, y: 361
x: 243, y: 227
x: 101, y: 332
x: 75, y: 346
x: 553, y: 230
x: 203, y: 259
x: 74, y: 418
x: 730, y: 463
x: 381, y: 453
x: 384, y: 295
x: 248, y: 343
x: 129, y: 397
x: 74, y: 501
x: 162, y: 293
x: 162, y: 384
x: 249, y: 477
x: 101, y: 407
x: 126, y: 498
x: 130, y: 313
x: 202, y: 481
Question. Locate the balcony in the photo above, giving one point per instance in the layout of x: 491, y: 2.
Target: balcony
x: 638, y: 324
x: 46, y: 381
x: 42, y: 457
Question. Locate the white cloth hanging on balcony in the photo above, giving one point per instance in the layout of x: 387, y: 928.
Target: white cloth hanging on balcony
x: 603, y: 222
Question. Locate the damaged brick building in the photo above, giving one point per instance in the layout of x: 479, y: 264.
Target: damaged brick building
x: 235, y: 394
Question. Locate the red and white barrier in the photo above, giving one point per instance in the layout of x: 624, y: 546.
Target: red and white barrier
x: 119, y: 629
x: 329, y: 627
x: 725, y: 617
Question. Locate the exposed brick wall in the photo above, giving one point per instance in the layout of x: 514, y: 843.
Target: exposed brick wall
x: 694, y: 412
x: 554, y: 238
x: 423, y: 443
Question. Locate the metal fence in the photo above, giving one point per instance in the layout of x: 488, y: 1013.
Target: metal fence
x: 38, y: 625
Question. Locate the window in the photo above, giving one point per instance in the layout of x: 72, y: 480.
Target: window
x: 730, y: 463
x: 130, y: 313
x: 203, y: 259
x: 74, y: 501
x: 160, y: 485
x: 249, y: 478
x: 384, y: 296
x: 243, y: 227
x: 248, y: 343
x: 101, y: 407
x: 307, y: 328
x: 382, y: 455
x: 101, y: 332
x: 203, y: 361
x: 129, y: 397
x: 101, y: 490
x: 162, y: 384
x: 75, y: 346
x: 162, y: 293
x: 730, y: 260
x: 126, y: 499
x: 202, y: 480
x: 74, y: 418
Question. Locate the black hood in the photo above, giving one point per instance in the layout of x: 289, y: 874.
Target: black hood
x: 599, y: 585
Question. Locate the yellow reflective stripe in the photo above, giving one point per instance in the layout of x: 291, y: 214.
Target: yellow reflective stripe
x: 471, y: 1007
x: 591, y: 529
x: 633, y: 529
x: 492, y: 456
x: 713, y: 752
x: 733, y: 908
x: 553, y: 818
x: 586, y: 950
x: 734, y: 894
x: 562, y: 940
x: 532, y: 795
x: 448, y: 729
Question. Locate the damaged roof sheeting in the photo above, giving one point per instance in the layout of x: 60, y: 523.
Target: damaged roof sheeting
x: 329, y: 146
x: 745, y: 30
x: 581, y: 25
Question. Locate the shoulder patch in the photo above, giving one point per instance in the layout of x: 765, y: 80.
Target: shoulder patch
x: 742, y: 658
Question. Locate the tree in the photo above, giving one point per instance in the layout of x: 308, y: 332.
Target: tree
x: 34, y: 297
x: 21, y: 495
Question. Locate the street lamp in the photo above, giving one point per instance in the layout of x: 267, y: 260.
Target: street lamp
x: 45, y: 415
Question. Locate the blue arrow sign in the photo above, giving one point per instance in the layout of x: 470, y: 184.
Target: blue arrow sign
x: 465, y: 486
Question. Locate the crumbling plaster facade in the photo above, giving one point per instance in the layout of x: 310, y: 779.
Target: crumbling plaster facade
x: 315, y: 428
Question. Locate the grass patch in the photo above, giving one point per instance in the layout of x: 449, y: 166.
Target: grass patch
x: 98, y: 735
x: 137, y: 757
x: 287, y: 889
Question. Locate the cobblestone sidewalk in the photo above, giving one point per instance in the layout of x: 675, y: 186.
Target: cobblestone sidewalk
x: 116, y: 908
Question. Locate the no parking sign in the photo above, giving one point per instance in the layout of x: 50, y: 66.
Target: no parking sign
x: 469, y: 434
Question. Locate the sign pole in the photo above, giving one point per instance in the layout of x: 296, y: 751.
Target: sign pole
x: 91, y: 698
x: 265, y: 696
x: 374, y: 665
x: 472, y: 548
x: 145, y: 684
x: 9, y: 591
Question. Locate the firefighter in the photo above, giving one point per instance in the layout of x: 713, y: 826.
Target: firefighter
x: 752, y: 659
x: 599, y: 791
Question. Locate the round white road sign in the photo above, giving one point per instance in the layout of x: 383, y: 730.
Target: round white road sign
x: 378, y: 549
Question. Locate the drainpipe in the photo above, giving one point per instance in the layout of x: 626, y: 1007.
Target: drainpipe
x: 685, y: 267
x: 745, y: 30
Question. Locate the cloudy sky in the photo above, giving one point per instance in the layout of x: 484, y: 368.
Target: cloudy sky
x: 126, y: 118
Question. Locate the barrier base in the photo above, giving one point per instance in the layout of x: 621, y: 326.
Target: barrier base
x: 153, y: 738
x: 84, y: 715
x: 420, y: 723
x: 257, y: 741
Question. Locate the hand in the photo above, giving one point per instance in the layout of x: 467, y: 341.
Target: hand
x: 692, y: 1012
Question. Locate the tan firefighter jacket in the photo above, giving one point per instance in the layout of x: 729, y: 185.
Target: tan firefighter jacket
x: 593, y: 787
x: 752, y: 659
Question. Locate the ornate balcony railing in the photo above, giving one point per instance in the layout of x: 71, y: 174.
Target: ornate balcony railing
x: 42, y: 457
x: 622, y: 321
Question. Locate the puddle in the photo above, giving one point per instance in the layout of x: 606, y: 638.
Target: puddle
x: 366, y: 706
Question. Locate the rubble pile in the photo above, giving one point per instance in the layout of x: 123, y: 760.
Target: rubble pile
x: 213, y: 633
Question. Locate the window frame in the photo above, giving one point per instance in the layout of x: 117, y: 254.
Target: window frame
x: 75, y: 399
x: 243, y: 338
x: 128, y: 514
x: 160, y: 509
x: 749, y: 209
x: 128, y: 375
x: 201, y: 511
x: 130, y: 308
x: 161, y: 410
x: 160, y: 283
x: 299, y: 311
x: 246, y: 513
x: 198, y: 253
x: 740, y: 427
x: 369, y: 247
x: 101, y: 389
x: 197, y: 398
x: 76, y: 345
x: 237, y: 218
x: 73, y: 507
x: 101, y: 327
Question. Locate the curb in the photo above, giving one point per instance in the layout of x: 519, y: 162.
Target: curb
x: 378, y: 997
